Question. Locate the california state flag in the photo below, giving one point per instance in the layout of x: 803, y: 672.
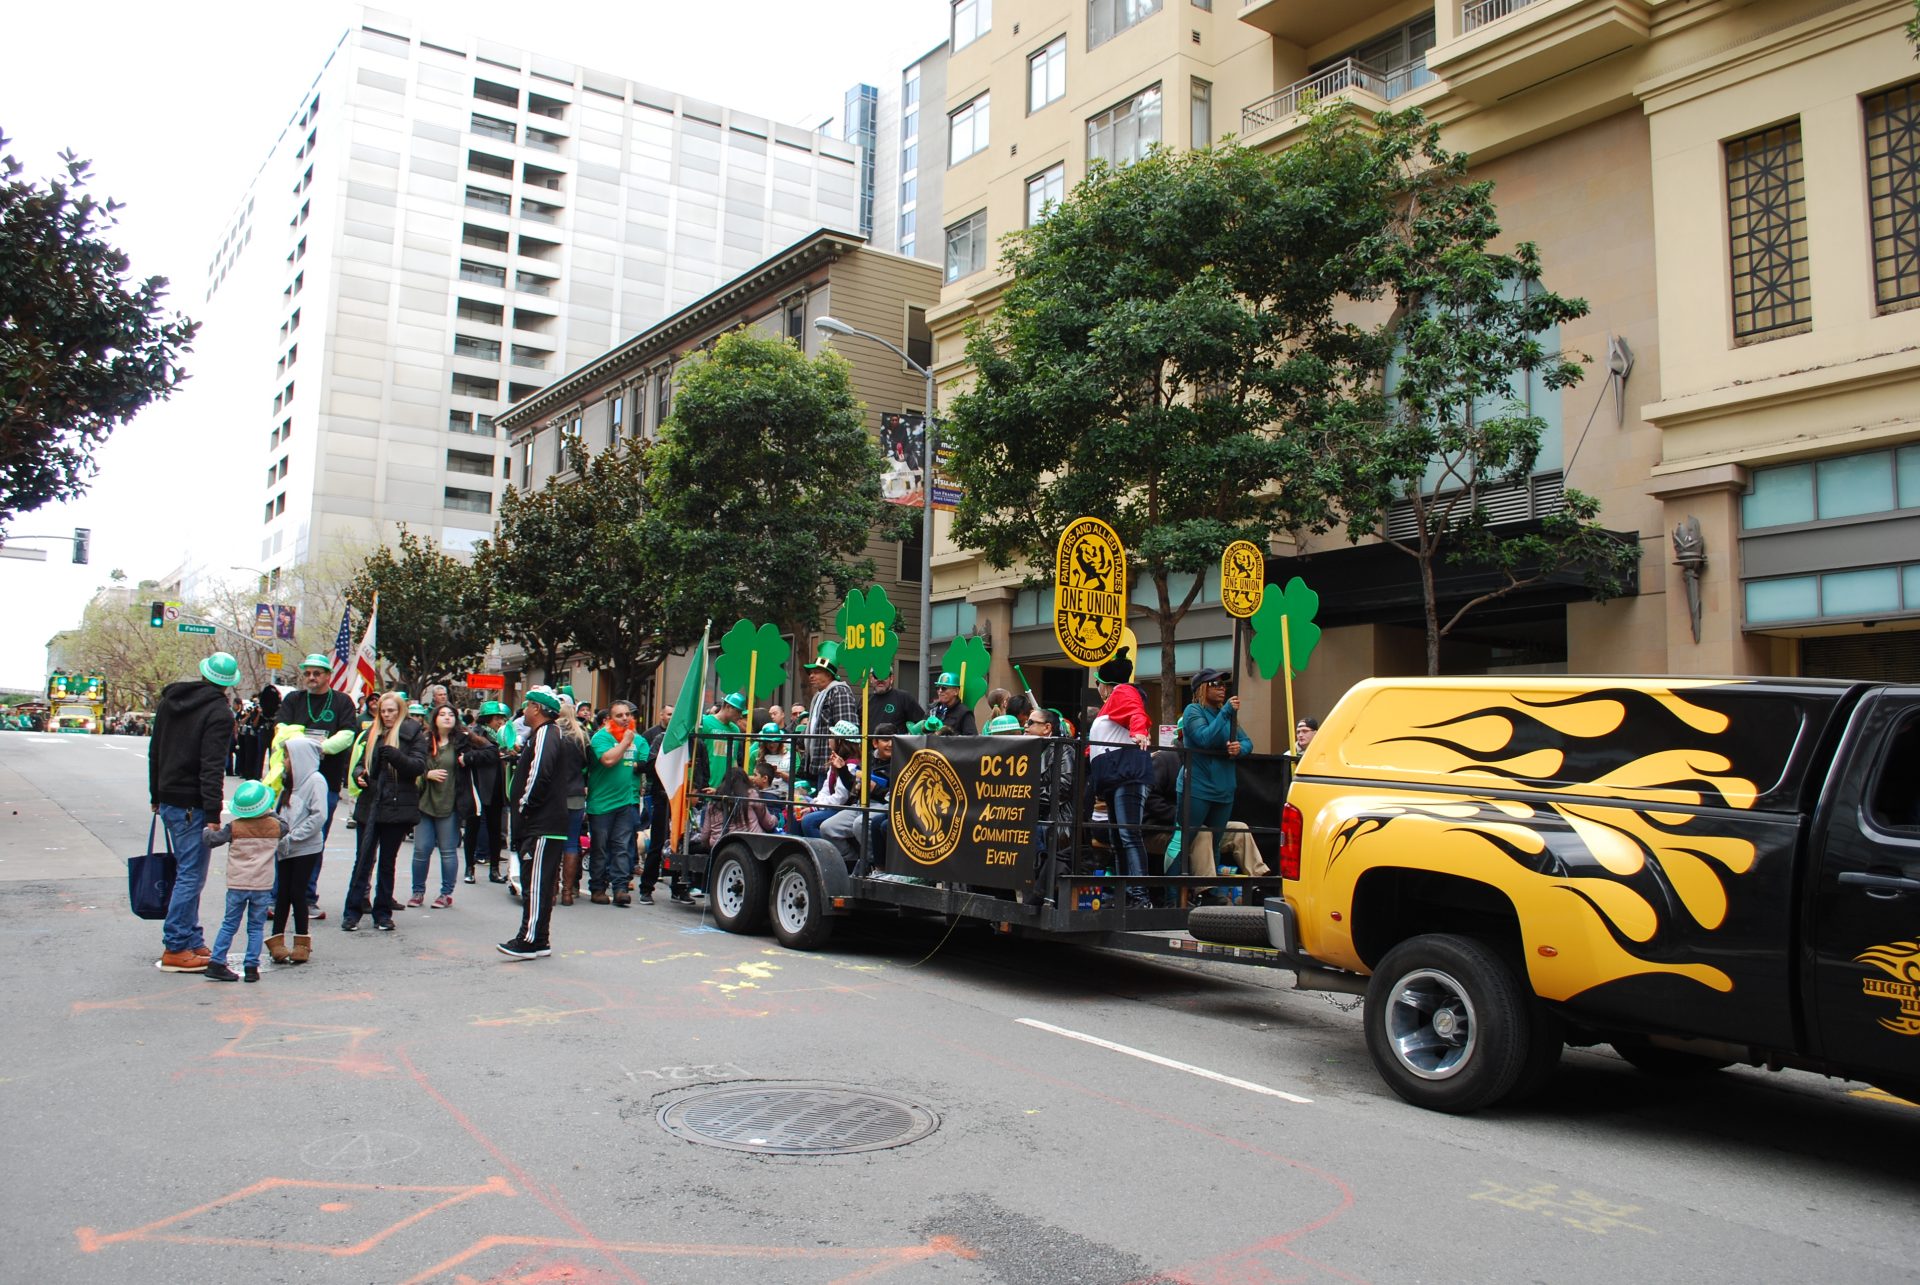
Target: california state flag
x: 362, y: 675
x: 676, y: 744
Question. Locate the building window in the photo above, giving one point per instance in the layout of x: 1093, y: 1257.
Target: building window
x: 972, y: 19
x: 1871, y: 592
x: 482, y: 273
x: 1044, y: 190
x: 967, y: 246
x: 477, y: 349
x: 470, y: 463
x: 967, y: 130
x: 662, y: 399
x: 1840, y: 486
x: 912, y: 559
x: 951, y: 619
x: 526, y: 462
x: 1893, y: 192
x: 907, y: 222
x: 1126, y: 131
x: 796, y: 322
x: 1203, y: 4
x: 919, y: 338
x: 1047, y: 75
x: 473, y: 310
x: 464, y: 385
x: 1202, y: 135
x: 469, y: 501
x: 1108, y: 18
x: 1767, y: 225
x: 619, y: 417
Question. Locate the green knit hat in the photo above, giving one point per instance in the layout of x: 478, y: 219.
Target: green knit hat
x: 252, y: 799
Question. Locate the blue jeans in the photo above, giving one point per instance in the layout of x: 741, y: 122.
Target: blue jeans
x: 442, y: 833
x: 256, y: 902
x: 1202, y: 814
x: 810, y: 823
x: 576, y: 821
x: 182, y: 931
x: 1129, y: 809
x: 610, y: 863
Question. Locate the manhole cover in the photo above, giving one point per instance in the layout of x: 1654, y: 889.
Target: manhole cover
x: 797, y: 1120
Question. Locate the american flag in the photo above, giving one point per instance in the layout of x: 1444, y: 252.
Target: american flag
x: 355, y: 673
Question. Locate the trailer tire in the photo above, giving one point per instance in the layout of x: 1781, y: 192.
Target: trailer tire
x: 1229, y: 925
x: 798, y: 904
x: 737, y: 890
x: 1449, y: 1026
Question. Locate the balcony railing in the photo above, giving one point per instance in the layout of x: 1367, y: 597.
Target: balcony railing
x: 1348, y: 73
x: 481, y: 199
x: 1481, y: 12
x: 478, y: 349
x: 491, y: 128
x: 532, y: 285
x: 531, y: 360
x: 539, y: 213
x: 481, y: 275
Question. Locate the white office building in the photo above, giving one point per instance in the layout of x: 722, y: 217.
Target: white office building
x: 445, y: 226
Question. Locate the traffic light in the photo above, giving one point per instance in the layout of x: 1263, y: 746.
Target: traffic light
x: 157, y: 615
x: 82, y: 537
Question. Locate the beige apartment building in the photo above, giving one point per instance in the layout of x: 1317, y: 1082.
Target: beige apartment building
x: 1732, y: 185
x: 628, y: 392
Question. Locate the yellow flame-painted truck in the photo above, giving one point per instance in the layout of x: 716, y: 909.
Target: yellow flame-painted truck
x: 1698, y: 872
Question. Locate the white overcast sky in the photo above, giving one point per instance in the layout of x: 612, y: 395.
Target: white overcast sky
x: 176, y: 106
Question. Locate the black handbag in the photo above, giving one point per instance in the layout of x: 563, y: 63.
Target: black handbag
x: 150, y: 878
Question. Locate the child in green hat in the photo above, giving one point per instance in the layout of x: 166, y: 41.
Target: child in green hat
x: 257, y: 837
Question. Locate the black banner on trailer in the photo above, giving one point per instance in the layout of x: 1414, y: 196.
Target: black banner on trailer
x: 967, y: 812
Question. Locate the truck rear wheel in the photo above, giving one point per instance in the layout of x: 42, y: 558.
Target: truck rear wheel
x: 799, y: 905
x: 1449, y: 1027
x: 737, y: 891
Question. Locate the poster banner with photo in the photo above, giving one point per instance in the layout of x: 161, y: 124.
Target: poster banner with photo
x: 903, y: 440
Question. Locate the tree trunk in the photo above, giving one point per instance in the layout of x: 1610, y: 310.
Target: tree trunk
x: 1433, y: 614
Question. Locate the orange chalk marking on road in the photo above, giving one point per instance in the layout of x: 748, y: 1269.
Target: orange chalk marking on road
x: 879, y: 1260
x: 92, y: 1241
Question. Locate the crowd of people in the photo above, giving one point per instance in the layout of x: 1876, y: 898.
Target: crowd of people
x: 561, y: 792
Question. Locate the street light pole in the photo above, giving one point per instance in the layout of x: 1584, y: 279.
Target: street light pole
x: 930, y: 455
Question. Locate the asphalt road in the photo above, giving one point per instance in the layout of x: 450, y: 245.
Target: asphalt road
x: 412, y: 1107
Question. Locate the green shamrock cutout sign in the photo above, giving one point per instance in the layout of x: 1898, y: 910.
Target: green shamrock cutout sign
x: 867, y: 639
x: 967, y: 661
x: 1297, y: 605
x: 752, y: 661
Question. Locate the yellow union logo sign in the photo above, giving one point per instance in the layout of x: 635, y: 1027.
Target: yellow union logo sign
x: 1090, y: 591
x: 1243, y: 578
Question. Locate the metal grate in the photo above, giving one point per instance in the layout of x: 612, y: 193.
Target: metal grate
x: 1767, y: 226
x: 1538, y: 496
x: 797, y: 1120
x: 1893, y: 190
x: 1475, y: 16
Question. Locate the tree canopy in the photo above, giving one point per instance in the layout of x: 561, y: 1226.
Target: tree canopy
x: 763, y: 488
x: 1165, y: 330
x: 436, y: 619
x: 82, y: 347
x: 1447, y: 419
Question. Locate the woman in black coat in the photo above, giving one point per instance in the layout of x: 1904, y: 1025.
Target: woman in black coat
x: 477, y: 799
x: 387, y: 810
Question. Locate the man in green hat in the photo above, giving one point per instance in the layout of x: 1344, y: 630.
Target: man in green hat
x: 549, y: 765
x: 321, y: 713
x: 950, y: 716
x: 831, y: 701
x: 186, y: 784
x: 721, y: 738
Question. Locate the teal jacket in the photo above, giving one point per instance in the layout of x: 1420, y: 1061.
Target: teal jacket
x: 1210, y: 773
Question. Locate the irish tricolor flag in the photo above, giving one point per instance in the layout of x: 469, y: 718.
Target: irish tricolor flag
x: 676, y: 745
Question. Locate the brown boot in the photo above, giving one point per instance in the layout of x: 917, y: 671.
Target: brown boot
x: 569, y: 877
x: 277, y: 948
x: 302, y: 949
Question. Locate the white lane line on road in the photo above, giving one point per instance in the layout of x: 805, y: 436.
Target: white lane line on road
x: 1168, y: 1062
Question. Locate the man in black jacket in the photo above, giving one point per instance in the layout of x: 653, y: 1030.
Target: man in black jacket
x: 322, y: 712
x: 550, y: 762
x: 186, y: 784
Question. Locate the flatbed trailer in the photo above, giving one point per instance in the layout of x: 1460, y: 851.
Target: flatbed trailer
x: 799, y: 887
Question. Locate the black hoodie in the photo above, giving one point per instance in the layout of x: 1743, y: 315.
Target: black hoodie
x: 187, y: 758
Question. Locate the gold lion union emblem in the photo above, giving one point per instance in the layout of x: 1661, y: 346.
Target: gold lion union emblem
x: 1901, y: 959
x: 928, y: 808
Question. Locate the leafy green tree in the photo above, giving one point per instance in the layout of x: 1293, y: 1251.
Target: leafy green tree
x: 436, y: 618
x: 82, y: 348
x: 575, y: 569
x: 764, y: 487
x: 115, y: 641
x: 1443, y: 424
x: 1166, y: 331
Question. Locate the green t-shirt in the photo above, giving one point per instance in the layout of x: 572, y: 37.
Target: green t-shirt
x: 723, y: 745
x: 612, y: 788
